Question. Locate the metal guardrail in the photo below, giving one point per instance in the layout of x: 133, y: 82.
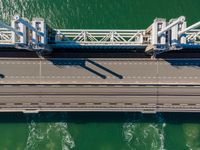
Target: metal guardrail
x: 5, y: 36
x: 81, y: 37
x: 193, y: 36
x: 99, y: 37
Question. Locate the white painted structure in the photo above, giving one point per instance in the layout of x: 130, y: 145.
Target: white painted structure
x: 71, y: 38
x: 172, y: 35
x: 40, y: 36
x: 157, y: 35
x: 22, y: 37
x: 175, y: 37
x: 160, y: 37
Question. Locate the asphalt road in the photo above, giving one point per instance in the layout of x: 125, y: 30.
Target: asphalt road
x: 149, y: 99
x: 99, y: 71
x: 126, y: 84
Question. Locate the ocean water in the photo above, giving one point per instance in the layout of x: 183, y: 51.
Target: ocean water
x: 100, y: 131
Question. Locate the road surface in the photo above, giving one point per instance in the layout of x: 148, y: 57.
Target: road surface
x: 96, y: 84
x: 149, y: 99
x: 99, y: 71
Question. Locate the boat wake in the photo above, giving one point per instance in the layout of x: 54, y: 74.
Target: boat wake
x: 192, y: 132
x: 139, y: 134
x: 48, y: 134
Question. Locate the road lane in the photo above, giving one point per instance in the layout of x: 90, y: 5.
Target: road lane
x: 99, y: 71
x: 105, y: 80
x: 100, y: 98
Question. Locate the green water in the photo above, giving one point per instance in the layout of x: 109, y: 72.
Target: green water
x: 123, y: 14
x: 100, y: 131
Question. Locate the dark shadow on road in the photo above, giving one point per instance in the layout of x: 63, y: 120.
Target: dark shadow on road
x: 105, y: 69
x: 2, y: 76
x: 98, y: 53
x: 76, y: 53
x: 61, y: 63
x: 179, y: 63
x: 84, y: 63
x: 95, y: 72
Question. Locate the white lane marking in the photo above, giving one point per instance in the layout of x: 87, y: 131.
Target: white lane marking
x: 126, y: 63
x: 94, y: 77
x: 18, y: 63
x: 115, y: 62
x: 40, y: 69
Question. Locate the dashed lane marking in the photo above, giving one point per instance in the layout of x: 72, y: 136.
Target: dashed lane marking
x: 95, y: 77
x: 103, y: 63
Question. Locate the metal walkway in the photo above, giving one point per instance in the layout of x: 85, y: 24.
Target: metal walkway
x: 159, y: 37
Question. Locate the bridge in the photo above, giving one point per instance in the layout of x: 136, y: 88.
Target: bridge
x: 50, y: 83
x: 159, y: 37
x: 32, y: 85
x: 116, y: 98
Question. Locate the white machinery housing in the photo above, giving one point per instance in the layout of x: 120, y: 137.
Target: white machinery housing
x: 40, y: 26
x: 19, y: 39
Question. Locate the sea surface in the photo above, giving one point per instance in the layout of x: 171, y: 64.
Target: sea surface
x: 100, y: 131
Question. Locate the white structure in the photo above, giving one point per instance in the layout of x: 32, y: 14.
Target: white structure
x: 37, y: 29
x: 40, y: 36
x: 157, y: 27
x: 108, y: 38
x: 175, y: 37
x: 34, y: 34
x: 160, y: 37
x: 160, y: 28
x: 172, y: 35
x: 172, y: 24
x: 21, y: 28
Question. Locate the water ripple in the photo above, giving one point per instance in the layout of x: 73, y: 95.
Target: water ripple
x: 146, y: 136
x: 48, y: 133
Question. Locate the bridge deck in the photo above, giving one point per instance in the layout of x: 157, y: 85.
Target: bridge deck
x: 100, y: 71
x: 100, y: 85
x: 99, y: 98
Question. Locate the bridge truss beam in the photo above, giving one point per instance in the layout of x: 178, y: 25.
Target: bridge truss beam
x: 99, y: 37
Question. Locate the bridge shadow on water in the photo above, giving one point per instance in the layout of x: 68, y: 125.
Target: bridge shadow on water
x: 100, y: 117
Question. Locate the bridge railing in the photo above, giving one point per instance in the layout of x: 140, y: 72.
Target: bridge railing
x: 193, y: 36
x: 99, y: 37
x: 5, y: 36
